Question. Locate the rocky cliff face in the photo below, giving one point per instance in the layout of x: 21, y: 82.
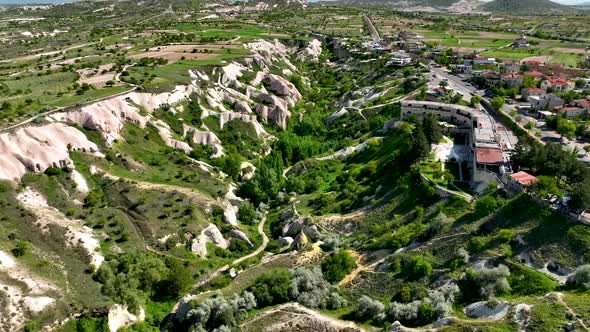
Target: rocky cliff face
x: 34, y: 149
x: 268, y: 94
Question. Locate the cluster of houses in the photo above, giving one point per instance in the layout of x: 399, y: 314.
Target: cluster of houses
x: 400, y: 45
x: 549, y: 83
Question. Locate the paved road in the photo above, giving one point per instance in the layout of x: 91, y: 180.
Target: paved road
x: 371, y: 28
x: 547, y: 134
x: 454, y: 82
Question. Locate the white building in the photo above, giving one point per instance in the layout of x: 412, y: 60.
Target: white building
x: 400, y: 59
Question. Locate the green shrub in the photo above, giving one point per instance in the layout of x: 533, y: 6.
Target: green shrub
x: 419, y: 267
x: 526, y: 281
x: 247, y: 213
x: 485, y: 206
x: 426, y: 314
x: 272, y: 288
x: 20, y: 249
x: 337, y: 265
x: 477, y: 244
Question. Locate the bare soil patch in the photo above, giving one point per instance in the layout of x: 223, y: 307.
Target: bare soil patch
x: 569, y: 50
x: 173, y: 53
x: 543, y: 58
x: 97, y: 77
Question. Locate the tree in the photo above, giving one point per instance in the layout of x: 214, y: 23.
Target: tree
x: 179, y: 278
x: 485, y: 205
x: 231, y: 164
x: 492, y: 281
x: 419, y: 267
x: 426, y: 314
x: 475, y: 100
x: 337, y: 265
x: 566, y: 128
x: 546, y: 186
x: 580, y: 278
x: 580, y: 198
x: 498, y: 103
x: 247, y: 213
x: 419, y: 147
x: 528, y: 81
x: 272, y: 288
x: 587, y: 149
x: 20, y: 249
x: 431, y: 128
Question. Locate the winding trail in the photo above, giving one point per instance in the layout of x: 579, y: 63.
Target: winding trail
x: 226, y: 267
x: 295, y: 311
x: 195, y: 194
x: 571, y: 311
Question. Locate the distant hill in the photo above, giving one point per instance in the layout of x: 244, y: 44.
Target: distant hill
x: 525, y: 6
x: 35, y: 2
x: 442, y: 5
x: 584, y: 4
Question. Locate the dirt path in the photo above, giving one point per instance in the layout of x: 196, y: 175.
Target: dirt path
x: 571, y: 311
x: 364, y: 267
x: 34, y: 56
x: 191, y: 193
x: 226, y: 267
x: 296, y: 311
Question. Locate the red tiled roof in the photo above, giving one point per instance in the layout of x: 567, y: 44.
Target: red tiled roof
x: 534, y: 63
x: 534, y: 73
x: 524, y: 178
x: 582, y: 103
x: 534, y: 90
x: 558, y: 82
x: 511, y: 75
x: 567, y: 108
x: 488, y: 155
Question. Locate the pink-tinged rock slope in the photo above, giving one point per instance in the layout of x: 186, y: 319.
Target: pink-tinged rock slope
x: 34, y: 149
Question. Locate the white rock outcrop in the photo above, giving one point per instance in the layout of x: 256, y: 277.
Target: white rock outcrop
x: 107, y: 117
x: 152, y: 101
x: 211, y: 234
x: 246, y: 118
x: 487, y: 310
x: 34, y: 149
x: 237, y: 234
x: 166, y: 135
x: 23, y: 294
x: 311, y: 52
x: 268, y: 52
x: 204, y: 137
x: 119, y: 317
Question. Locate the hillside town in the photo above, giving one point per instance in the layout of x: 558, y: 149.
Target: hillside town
x: 480, y: 101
